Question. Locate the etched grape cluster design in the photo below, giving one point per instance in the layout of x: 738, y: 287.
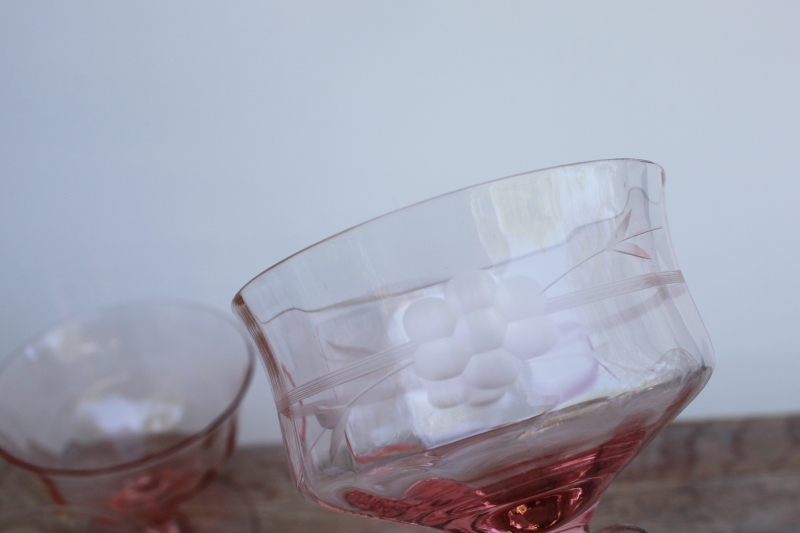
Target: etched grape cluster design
x: 473, y: 341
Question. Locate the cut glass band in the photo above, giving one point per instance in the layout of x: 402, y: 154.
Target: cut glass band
x: 401, y: 354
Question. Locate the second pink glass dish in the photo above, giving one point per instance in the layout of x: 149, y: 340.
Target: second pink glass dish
x: 131, y: 409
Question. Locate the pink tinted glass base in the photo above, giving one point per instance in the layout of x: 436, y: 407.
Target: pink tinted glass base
x: 555, y: 492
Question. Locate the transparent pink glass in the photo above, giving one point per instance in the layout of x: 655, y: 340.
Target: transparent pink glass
x: 485, y: 361
x: 64, y: 519
x: 131, y: 409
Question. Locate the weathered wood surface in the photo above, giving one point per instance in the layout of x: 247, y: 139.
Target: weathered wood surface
x: 731, y: 476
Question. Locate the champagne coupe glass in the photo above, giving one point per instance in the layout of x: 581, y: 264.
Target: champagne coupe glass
x: 487, y: 360
x: 64, y: 519
x: 131, y: 409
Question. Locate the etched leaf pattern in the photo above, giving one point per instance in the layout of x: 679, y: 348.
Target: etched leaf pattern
x: 621, y: 230
x: 631, y: 249
x: 338, y: 433
x: 350, y: 351
x: 617, y: 242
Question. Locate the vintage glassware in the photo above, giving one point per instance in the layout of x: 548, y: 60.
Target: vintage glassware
x: 64, y: 519
x: 130, y: 409
x: 485, y: 361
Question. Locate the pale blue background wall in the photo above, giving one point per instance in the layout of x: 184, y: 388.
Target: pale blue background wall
x: 179, y: 148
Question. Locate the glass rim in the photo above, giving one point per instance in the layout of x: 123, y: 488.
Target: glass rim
x: 239, y: 294
x: 224, y: 415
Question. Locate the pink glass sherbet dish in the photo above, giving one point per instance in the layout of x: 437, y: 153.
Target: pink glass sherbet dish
x: 487, y: 360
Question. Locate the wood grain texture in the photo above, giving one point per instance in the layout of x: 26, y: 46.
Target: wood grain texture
x: 732, y: 476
